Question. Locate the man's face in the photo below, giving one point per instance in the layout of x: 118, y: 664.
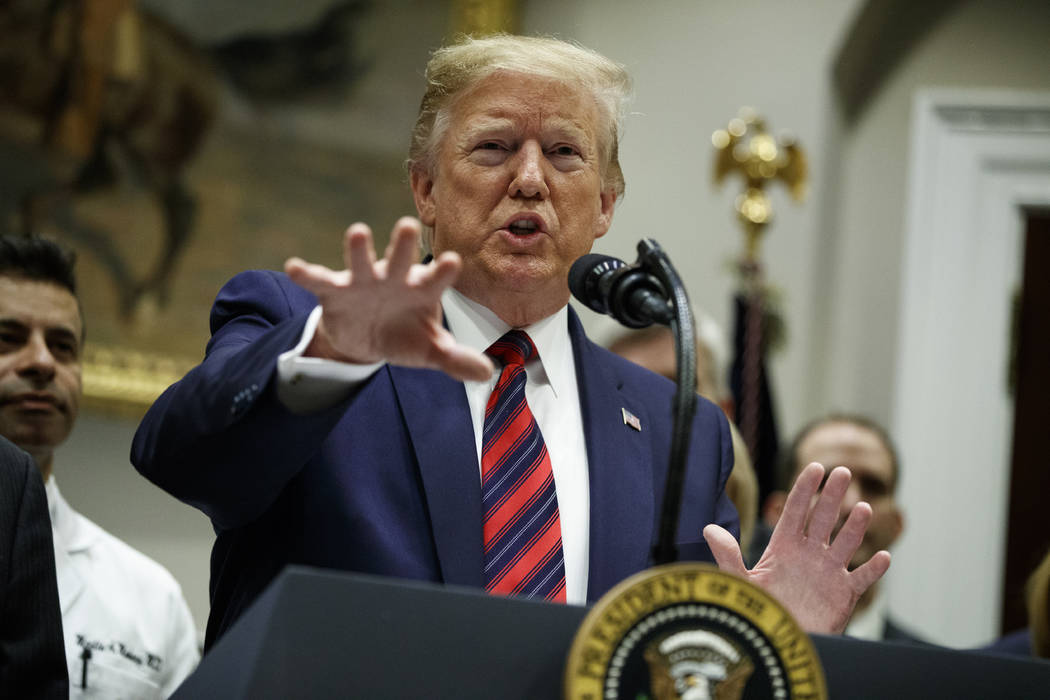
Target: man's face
x: 656, y: 353
x: 517, y: 190
x: 40, y: 332
x: 856, y: 447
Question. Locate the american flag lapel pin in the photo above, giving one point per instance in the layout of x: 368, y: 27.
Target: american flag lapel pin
x: 631, y: 419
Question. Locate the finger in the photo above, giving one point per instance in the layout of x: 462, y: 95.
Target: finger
x: 870, y: 571
x: 441, y: 273
x: 726, y: 550
x: 852, y: 533
x: 464, y: 363
x: 796, y: 506
x: 825, y: 513
x: 312, y: 277
x: 359, y: 253
x: 295, y: 265
x: 404, y: 245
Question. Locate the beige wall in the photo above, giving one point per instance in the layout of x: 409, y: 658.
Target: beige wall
x: 954, y: 478
x: 985, y: 43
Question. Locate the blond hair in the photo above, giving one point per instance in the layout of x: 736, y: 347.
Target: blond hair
x: 454, y: 69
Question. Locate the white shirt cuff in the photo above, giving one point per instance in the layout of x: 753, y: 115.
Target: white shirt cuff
x: 308, y: 384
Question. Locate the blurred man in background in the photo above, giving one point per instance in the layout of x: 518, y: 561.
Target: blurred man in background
x: 128, y: 631
x: 865, y: 448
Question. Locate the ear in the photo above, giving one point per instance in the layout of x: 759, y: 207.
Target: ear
x: 607, y: 204
x: 898, y: 524
x: 423, y: 193
x: 773, y: 507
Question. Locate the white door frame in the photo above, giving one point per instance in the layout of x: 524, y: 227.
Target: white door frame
x: 977, y: 159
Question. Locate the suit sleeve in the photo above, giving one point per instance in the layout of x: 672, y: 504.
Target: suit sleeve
x: 32, y: 652
x: 704, y: 499
x: 725, y: 512
x: 219, y: 438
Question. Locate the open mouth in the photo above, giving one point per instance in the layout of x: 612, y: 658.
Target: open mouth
x: 523, y: 227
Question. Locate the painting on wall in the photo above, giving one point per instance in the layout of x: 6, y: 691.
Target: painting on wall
x: 172, y: 145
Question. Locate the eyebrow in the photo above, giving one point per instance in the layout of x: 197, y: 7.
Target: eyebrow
x: 486, y: 123
x: 483, y: 122
x: 61, y: 331
x: 16, y: 324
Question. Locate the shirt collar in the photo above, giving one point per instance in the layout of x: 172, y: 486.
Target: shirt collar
x: 870, y: 623
x: 477, y: 327
x: 63, y: 519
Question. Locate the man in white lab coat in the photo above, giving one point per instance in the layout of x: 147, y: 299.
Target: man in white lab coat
x: 128, y: 631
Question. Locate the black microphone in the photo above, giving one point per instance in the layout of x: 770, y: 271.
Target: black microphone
x: 628, y: 293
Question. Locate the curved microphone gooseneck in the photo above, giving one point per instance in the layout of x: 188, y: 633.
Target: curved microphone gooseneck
x: 650, y: 291
x: 652, y: 257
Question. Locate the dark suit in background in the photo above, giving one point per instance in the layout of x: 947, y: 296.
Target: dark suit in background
x: 1017, y: 643
x: 32, y: 658
x: 387, y: 481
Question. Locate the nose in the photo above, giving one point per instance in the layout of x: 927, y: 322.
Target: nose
x: 36, y: 361
x: 853, y: 497
x: 529, y: 179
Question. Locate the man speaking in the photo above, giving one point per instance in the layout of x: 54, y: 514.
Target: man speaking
x: 451, y: 422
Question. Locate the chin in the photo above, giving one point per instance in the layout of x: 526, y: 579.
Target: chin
x: 37, y: 437
x: 525, y: 277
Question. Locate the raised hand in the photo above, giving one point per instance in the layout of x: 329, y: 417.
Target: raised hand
x: 388, y: 309
x: 802, y: 567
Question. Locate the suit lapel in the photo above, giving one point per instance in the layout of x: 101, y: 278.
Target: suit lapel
x: 620, y: 469
x: 438, y: 418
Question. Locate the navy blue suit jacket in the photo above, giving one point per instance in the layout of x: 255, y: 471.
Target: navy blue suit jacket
x: 387, y: 481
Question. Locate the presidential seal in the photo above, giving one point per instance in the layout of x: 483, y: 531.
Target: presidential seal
x: 691, y: 632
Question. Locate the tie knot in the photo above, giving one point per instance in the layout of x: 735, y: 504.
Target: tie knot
x: 513, y: 348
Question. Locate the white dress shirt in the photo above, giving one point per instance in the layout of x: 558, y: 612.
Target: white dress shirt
x: 553, y: 397
x: 870, y: 623
x: 306, y: 383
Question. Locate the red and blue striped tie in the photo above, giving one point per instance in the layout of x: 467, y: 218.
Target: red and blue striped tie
x: 521, y: 527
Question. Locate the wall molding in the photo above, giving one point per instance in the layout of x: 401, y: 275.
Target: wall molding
x: 978, y: 158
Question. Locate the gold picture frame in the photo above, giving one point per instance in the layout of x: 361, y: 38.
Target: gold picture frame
x: 266, y: 188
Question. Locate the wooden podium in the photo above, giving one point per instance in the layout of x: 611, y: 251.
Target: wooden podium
x: 324, y: 634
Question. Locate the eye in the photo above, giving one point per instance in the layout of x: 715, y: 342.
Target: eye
x: 872, y: 487
x: 9, y: 340
x: 65, y: 348
x: 564, y: 150
x: 64, y: 351
x: 489, y: 153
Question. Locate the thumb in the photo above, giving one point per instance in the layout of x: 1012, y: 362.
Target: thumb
x: 865, y: 575
x: 725, y: 549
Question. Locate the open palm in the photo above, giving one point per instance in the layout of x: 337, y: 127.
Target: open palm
x: 802, y: 566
